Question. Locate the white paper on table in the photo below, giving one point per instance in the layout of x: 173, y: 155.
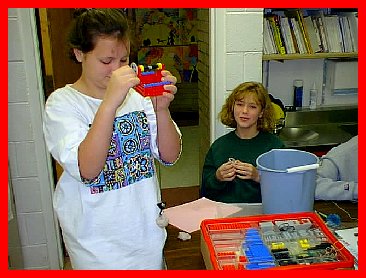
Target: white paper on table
x: 188, y: 217
x: 349, y: 238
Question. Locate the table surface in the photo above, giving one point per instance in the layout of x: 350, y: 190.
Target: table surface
x: 186, y: 255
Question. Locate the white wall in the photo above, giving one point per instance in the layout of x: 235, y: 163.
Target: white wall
x: 281, y: 75
x: 29, y: 162
x: 236, y: 46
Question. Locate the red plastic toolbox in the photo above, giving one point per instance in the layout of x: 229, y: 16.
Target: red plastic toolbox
x: 276, y: 241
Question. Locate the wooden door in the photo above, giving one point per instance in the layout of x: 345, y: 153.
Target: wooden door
x: 59, y: 69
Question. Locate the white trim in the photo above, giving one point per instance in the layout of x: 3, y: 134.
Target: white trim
x: 36, y: 96
x: 217, y: 69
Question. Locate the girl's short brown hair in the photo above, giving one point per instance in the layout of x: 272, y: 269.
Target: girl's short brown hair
x: 89, y: 24
x: 256, y: 89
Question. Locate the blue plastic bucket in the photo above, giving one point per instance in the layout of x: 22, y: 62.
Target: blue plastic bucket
x: 287, y: 180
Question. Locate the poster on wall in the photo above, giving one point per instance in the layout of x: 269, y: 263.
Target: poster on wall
x: 166, y: 26
x: 181, y: 61
x: 168, y: 36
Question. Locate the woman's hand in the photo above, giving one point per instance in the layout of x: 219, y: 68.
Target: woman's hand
x: 226, y: 172
x: 246, y: 171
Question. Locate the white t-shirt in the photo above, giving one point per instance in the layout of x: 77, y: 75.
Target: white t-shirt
x: 109, y: 223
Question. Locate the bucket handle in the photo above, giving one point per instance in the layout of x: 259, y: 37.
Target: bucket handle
x: 303, y: 168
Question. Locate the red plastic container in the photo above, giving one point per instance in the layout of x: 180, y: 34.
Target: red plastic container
x: 150, y: 80
x: 275, y: 242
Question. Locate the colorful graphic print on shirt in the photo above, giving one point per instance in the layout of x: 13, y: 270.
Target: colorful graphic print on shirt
x: 129, y: 158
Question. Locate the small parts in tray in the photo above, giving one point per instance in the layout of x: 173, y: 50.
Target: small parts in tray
x: 271, y: 244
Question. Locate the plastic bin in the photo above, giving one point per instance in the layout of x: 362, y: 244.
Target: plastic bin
x: 229, y: 243
x: 288, y: 180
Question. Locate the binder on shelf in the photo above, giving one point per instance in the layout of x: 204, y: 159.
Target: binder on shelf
x: 268, y: 42
x: 298, y: 16
x: 277, y: 36
x: 322, y: 35
x: 313, y: 34
x: 352, y: 19
x: 346, y: 34
x: 293, y: 35
x: 317, y: 17
x: 333, y: 31
x: 286, y: 31
x: 298, y: 36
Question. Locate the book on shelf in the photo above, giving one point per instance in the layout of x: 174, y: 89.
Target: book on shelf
x: 313, y: 34
x: 346, y: 34
x: 299, y: 39
x: 268, y: 42
x: 277, y: 35
x: 299, y: 18
x: 310, y: 31
x: 352, y: 19
x: 286, y: 31
x: 333, y: 30
x: 318, y: 21
x: 338, y: 35
x: 353, y: 23
x: 293, y: 35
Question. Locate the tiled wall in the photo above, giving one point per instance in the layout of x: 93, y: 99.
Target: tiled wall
x: 237, y: 52
x: 27, y: 156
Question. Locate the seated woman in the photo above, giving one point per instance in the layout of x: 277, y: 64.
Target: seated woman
x: 337, y: 175
x: 229, y: 172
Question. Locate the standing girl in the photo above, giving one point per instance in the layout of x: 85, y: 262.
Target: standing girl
x: 105, y: 135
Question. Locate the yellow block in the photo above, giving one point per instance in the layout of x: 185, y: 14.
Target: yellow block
x: 277, y: 245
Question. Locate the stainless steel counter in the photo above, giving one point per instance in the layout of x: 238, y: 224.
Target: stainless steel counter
x: 331, y: 134
x: 321, y: 127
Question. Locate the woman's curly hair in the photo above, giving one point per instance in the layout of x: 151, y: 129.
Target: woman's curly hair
x: 256, y: 89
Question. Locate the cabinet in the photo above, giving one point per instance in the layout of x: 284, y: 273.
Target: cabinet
x: 279, y: 70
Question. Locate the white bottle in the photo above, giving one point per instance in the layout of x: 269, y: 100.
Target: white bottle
x: 313, y: 97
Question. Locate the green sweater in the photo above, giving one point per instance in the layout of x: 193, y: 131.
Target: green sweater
x: 245, y: 150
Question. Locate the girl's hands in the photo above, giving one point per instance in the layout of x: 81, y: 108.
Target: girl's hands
x: 246, y: 171
x: 235, y: 168
x: 122, y: 79
x: 226, y: 172
x: 162, y: 102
